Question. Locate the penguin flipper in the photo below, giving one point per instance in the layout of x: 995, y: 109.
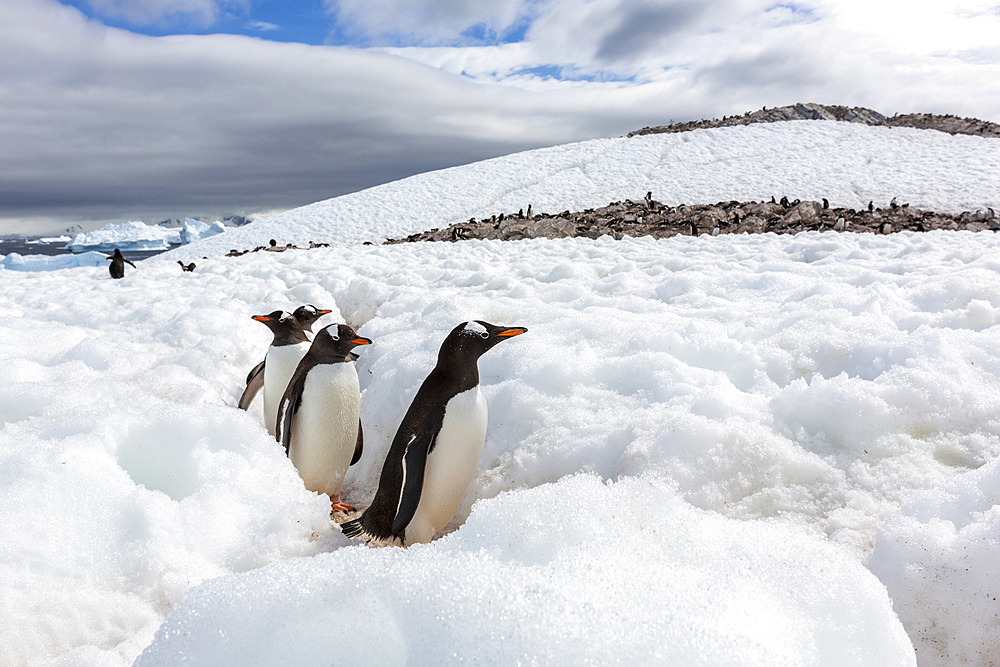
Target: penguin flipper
x: 255, y: 371
x: 414, y: 462
x: 359, y: 446
x: 287, y: 408
x: 254, y: 385
x: 131, y: 264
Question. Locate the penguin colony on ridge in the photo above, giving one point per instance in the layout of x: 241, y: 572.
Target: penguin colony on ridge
x: 437, y: 447
x: 318, y: 420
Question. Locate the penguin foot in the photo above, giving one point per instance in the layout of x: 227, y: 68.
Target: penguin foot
x: 338, y: 506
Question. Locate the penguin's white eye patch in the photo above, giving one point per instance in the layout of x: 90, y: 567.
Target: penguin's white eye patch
x: 476, y: 327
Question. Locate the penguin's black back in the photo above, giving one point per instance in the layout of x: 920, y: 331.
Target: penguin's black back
x: 457, y: 370
x: 417, y: 431
x: 117, y: 266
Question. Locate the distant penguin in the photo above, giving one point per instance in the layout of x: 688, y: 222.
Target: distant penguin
x: 318, y: 419
x: 885, y: 228
x: 306, y: 314
x: 287, y: 348
x: 186, y: 267
x: 436, y: 450
x: 117, y: 266
x: 840, y: 225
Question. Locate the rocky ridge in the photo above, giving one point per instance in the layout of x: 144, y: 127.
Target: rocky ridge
x: 648, y: 217
x: 943, y: 123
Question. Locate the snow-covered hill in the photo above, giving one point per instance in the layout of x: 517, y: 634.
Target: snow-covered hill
x: 734, y: 450
x: 849, y: 164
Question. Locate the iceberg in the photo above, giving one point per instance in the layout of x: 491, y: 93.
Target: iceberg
x: 195, y: 230
x: 132, y: 235
x: 18, y: 262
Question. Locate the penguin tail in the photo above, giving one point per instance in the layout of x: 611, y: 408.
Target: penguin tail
x: 355, y: 529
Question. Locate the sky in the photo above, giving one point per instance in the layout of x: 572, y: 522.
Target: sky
x: 115, y: 110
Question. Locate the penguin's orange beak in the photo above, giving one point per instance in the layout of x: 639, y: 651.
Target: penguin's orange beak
x: 360, y: 341
x: 262, y: 318
x: 512, y: 331
x: 324, y: 312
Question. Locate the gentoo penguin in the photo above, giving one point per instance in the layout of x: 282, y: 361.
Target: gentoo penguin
x: 307, y: 315
x: 117, y: 266
x: 287, y: 348
x: 436, y: 450
x: 318, y: 416
x: 186, y: 267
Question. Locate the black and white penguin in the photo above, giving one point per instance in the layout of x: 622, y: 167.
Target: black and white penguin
x: 306, y: 314
x: 287, y: 348
x: 318, y: 420
x: 117, y: 266
x: 437, y: 447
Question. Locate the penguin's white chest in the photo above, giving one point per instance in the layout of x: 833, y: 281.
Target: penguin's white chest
x: 451, y: 465
x: 325, y: 427
x: 279, y: 364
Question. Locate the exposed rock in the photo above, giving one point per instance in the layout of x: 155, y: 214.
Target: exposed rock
x: 628, y: 218
x: 947, y: 123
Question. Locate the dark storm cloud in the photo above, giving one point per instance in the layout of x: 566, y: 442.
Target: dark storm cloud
x: 644, y: 27
x: 96, y: 120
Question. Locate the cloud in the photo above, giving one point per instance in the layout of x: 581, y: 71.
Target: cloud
x: 643, y: 27
x: 262, y: 26
x: 101, y: 124
x: 430, y: 22
x: 200, y: 13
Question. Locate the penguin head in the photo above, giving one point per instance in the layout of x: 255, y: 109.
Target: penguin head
x: 470, y: 340
x: 307, y: 314
x: 334, y: 342
x: 284, y: 326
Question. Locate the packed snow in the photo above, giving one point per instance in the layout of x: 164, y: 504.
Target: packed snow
x: 745, y: 450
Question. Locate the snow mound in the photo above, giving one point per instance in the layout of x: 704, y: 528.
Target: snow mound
x: 576, y: 572
x: 938, y: 558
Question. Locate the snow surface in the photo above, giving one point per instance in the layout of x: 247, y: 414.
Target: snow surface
x: 745, y: 450
x: 848, y: 163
